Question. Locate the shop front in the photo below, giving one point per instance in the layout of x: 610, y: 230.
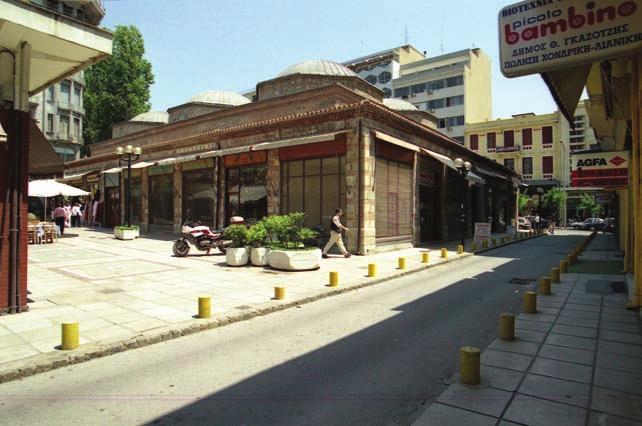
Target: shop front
x: 199, y: 193
x: 112, y: 199
x: 161, y: 198
x: 246, y: 186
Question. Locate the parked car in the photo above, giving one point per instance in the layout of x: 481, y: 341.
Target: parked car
x: 523, y: 223
x: 590, y: 224
x: 609, y: 225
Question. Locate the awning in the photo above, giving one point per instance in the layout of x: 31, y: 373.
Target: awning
x: 489, y: 173
x: 143, y: 164
x: 396, y: 141
x: 228, y: 151
x: 113, y: 170
x: 471, y: 176
x: 74, y: 176
x: 51, y: 188
x: 295, y: 141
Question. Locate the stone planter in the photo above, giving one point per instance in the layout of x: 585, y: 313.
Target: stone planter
x: 237, y: 256
x: 295, y: 260
x: 126, y: 233
x: 259, y: 256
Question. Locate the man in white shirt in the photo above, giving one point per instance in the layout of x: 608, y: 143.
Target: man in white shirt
x: 335, y: 235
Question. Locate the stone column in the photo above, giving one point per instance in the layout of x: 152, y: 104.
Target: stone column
x: 416, y: 229
x: 443, y: 202
x: 368, y: 244
x: 273, y: 182
x: 178, y: 196
x: 352, y: 195
x: 220, y: 172
x: 144, y: 208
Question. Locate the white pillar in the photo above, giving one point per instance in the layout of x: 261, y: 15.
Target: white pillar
x: 23, y: 73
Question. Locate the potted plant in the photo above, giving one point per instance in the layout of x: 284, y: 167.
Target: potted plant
x: 126, y: 232
x: 293, y: 249
x: 257, y: 236
x: 237, y: 254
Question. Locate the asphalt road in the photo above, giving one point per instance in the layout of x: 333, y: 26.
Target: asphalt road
x: 371, y: 357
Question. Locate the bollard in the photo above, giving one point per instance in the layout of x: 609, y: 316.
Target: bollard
x: 401, y: 263
x: 372, y: 270
x: 204, y: 307
x: 544, y: 286
x: 569, y: 260
x: 555, y: 275
x: 279, y: 293
x: 444, y: 253
x: 425, y: 257
x: 530, y: 302
x: 469, y: 360
x: 460, y: 249
x: 70, y: 336
x: 507, y: 326
x: 334, y: 279
x: 563, y: 266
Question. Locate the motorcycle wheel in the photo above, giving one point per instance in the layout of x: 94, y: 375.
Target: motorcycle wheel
x: 181, y: 248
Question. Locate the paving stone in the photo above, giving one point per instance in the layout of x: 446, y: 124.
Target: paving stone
x: 588, y: 308
x: 501, y: 378
x: 572, y: 330
x: 603, y: 419
x: 577, y: 300
x: 621, y: 326
x: 571, y: 341
x: 13, y: 353
x: 538, y: 412
x: 439, y: 414
x: 619, y: 380
x: 620, y: 318
x: 617, y: 336
x: 503, y: 359
x: 561, y: 353
x: 561, y: 370
x: 539, y: 317
x: 488, y: 401
x: 619, y: 362
x: 549, y: 304
x: 556, y: 390
x: 620, y: 310
x: 533, y: 325
x: 579, y: 314
x: 10, y: 340
x: 546, y: 310
x: 530, y: 336
x: 517, y: 346
x: 625, y: 349
x: 577, y: 322
x: 617, y: 403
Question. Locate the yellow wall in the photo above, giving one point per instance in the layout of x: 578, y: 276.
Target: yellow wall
x: 478, y: 94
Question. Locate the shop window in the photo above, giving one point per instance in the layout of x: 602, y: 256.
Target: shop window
x: 161, y: 199
x: 527, y: 137
x: 247, y: 192
x: 199, y: 196
x: 385, y: 77
x: 393, y: 192
x: 474, y: 142
x: 136, y: 199
x: 527, y: 166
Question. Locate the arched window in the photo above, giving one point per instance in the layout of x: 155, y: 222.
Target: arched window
x: 385, y: 77
x: 371, y: 79
x: 387, y: 92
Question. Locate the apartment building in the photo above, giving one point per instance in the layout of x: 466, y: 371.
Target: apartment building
x: 582, y: 136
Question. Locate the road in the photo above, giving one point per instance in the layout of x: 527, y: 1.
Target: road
x: 372, y: 357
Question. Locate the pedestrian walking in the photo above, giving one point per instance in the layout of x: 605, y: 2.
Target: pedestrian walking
x: 76, y: 213
x: 335, y: 235
x: 551, y: 224
x: 537, y: 226
x: 60, y: 215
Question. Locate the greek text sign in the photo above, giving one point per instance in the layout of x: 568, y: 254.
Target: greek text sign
x: 542, y: 35
x: 482, y: 232
x: 600, y: 169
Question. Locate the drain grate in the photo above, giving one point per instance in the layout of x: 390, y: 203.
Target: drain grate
x: 522, y: 281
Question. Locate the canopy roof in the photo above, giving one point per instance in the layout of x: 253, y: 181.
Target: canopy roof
x: 51, y: 188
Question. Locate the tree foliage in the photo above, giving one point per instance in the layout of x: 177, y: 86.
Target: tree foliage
x: 523, y: 204
x: 588, y: 204
x: 117, y: 89
x: 554, y: 198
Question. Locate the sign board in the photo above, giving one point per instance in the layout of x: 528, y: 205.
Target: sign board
x: 510, y: 230
x: 543, y: 35
x: 600, y: 169
x: 482, y: 232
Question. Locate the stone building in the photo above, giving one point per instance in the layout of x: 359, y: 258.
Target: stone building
x: 317, y: 137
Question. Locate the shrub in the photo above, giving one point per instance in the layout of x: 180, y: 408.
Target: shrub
x: 257, y: 235
x: 238, y: 235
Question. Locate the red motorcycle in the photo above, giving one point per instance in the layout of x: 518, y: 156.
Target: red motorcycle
x: 205, y: 239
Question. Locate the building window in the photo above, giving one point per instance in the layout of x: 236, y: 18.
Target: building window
x: 52, y: 4
x: 547, y: 135
x: 509, y: 138
x: 77, y: 96
x: 547, y: 165
x: 455, y: 81
x: 436, y: 104
x: 527, y: 166
x: 418, y: 88
x: 77, y: 129
x: 52, y: 92
x: 402, y: 92
x: 474, y: 142
x: 65, y: 93
x: 455, y: 100
x: 385, y: 77
x: 510, y: 163
x: 63, y: 127
x: 491, y: 140
x: 371, y: 79
x: 456, y: 121
x: 527, y: 137
x: 387, y: 92
x: 50, y: 123
x: 443, y: 122
x: 67, y: 10
x: 436, y: 85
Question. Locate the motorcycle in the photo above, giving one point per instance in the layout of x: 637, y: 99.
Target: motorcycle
x: 205, y: 239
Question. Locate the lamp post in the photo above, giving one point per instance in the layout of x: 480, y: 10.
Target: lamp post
x: 127, y: 155
x: 540, y: 191
x: 463, y: 167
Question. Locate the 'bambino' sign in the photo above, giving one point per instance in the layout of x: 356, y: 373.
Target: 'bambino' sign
x: 541, y: 35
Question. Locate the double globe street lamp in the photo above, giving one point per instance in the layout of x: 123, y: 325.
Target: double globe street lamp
x: 127, y: 155
x: 463, y: 167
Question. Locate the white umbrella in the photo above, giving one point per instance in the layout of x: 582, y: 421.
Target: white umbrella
x: 50, y: 188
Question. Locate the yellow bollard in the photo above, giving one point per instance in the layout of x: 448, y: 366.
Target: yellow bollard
x: 444, y: 253
x: 544, y: 286
x: 530, y: 302
x: 70, y: 336
x: 469, y: 360
x: 204, y: 307
x: 563, y: 266
x: 279, y: 293
x: 425, y: 257
x: 401, y: 263
x: 334, y: 279
x: 507, y: 326
x: 460, y: 249
x: 569, y: 260
x: 555, y: 275
x: 372, y: 270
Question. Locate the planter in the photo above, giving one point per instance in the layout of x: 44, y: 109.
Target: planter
x: 237, y: 256
x: 123, y: 233
x: 295, y: 260
x: 259, y: 256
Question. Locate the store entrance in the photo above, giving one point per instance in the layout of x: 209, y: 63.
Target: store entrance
x: 112, y: 207
x: 428, y: 214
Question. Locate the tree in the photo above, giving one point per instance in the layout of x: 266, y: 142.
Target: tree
x: 588, y: 203
x: 523, y: 203
x: 117, y: 89
x: 554, y: 198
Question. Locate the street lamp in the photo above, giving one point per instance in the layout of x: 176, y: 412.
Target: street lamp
x: 463, y: 167
x: 540, y: 191
x: 127, y: 155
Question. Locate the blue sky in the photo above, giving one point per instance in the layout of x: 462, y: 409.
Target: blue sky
x: 198, y: 45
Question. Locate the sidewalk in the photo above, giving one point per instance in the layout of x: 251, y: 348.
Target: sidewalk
x: 127, y: 294
x: 578, y: 361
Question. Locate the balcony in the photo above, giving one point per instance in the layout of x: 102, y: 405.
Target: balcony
x: 513, y: 148
x: 62, y: 104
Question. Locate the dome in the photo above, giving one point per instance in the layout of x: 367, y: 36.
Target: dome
x: 221, y: 97
x: 318, y: 67
x: 399, y: 105
x: 152, y: 117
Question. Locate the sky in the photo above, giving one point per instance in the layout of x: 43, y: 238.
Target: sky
x: 199, y: 45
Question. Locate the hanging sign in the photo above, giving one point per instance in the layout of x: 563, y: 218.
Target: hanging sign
x: 600, y: 169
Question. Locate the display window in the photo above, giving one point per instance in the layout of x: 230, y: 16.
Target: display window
x: 246, y: 192
x: 199, y: 196
x: 161, y: 199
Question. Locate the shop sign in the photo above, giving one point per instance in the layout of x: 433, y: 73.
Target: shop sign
x: 542, y: 35
x: 600, y: 169
x: 482, y: 232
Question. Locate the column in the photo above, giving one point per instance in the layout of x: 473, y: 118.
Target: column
x: 178, y: 196
x: 144, y: 208
x: 273, y: 182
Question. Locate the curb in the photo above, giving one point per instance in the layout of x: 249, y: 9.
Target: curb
x: 41, y: 363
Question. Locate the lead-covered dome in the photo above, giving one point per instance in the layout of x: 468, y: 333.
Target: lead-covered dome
x: 152, y: 117
x: 220, y: 97
x: 399, y: 105
x: 318, y: 67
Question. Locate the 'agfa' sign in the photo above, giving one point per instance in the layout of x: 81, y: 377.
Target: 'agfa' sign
x: 541, y: 35
x: 600, y: 169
